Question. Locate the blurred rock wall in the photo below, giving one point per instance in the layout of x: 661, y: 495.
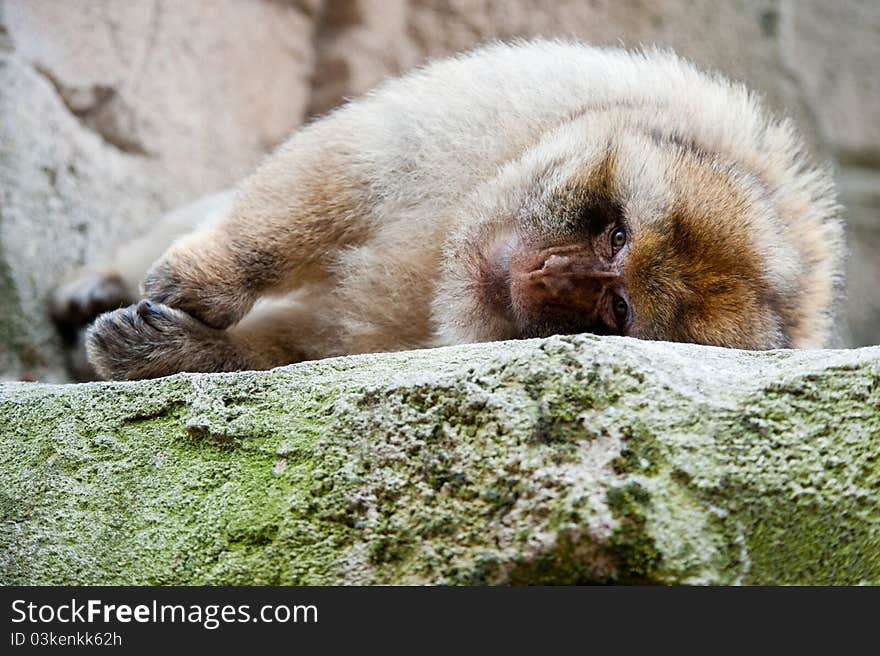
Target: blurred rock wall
x: 112, y: 112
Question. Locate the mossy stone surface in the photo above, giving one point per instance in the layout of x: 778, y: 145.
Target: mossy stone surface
x: 566, y: 460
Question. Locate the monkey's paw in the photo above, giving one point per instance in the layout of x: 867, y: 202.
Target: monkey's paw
x: 149, y: 340
x: 78, y: 302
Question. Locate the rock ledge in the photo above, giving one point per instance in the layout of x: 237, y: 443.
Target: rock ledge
x: 565, y: 460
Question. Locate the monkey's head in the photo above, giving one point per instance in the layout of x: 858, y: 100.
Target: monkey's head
x: 632, y: 225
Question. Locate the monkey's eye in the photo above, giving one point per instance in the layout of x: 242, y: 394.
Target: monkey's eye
x: 618, y: 238
x: 620, y: 309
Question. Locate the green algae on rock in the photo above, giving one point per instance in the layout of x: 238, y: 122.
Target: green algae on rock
x: 566, y: 460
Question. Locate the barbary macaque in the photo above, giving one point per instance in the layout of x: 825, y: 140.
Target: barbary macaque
x: 519, y: 190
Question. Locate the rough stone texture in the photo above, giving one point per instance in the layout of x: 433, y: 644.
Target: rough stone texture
x: 60, y: 193
x: 832, y: 50
x: 118, y: 110
x: 204, y: 86
x: 860, y: 191
x: 113, y: 112
x: 566, y: 460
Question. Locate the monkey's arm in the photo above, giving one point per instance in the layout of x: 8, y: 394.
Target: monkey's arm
x: 288, y: 221
x: 284, y: 229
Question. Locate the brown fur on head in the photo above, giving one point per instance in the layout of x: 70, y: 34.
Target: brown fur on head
x: 716, y: 251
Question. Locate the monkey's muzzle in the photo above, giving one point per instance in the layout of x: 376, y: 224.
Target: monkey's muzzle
x: 560, y: 288
x: 562, y: 278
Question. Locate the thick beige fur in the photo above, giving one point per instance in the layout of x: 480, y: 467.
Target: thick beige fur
x: 366, y: 230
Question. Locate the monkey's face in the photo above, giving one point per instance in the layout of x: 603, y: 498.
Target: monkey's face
x: 623, y: 229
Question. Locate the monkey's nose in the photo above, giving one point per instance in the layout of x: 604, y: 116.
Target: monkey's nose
x: 560, y: 281
x: 577, y: 267
x: 562, y: 274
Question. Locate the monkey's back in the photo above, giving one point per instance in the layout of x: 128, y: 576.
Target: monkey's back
x: 429, y: 135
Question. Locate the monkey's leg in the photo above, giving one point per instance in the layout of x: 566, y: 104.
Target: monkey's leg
x: 289, y: 220
x: 99, y: 288
x: 149, y: 340
x: 113, y: 283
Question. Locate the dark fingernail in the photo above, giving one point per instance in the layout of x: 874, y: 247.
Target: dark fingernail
x: 145, y: 307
